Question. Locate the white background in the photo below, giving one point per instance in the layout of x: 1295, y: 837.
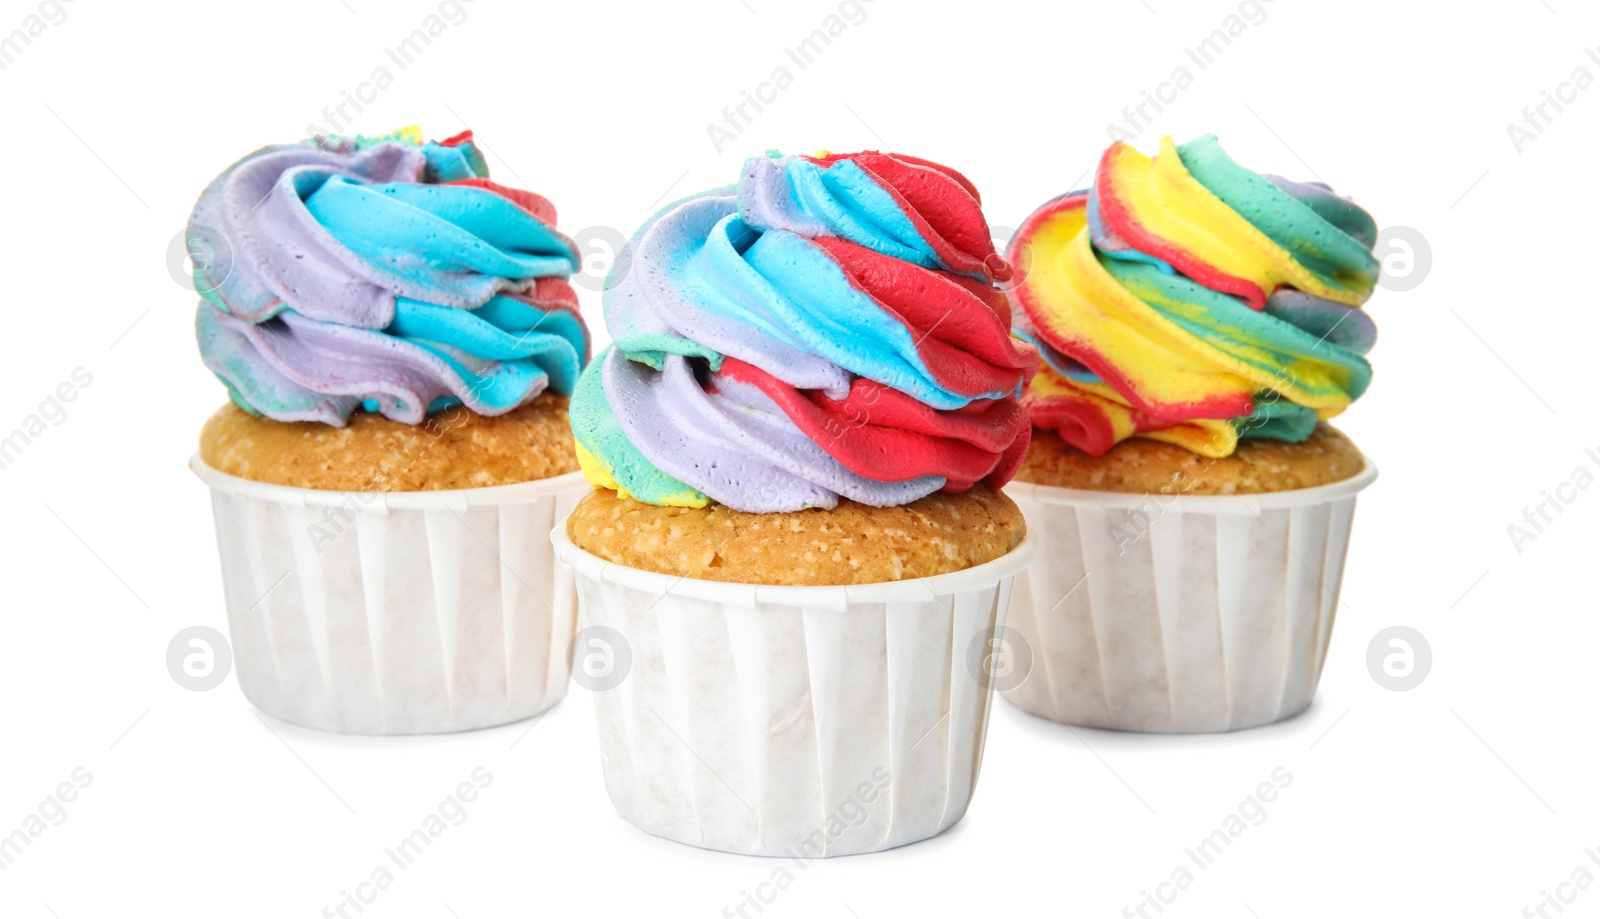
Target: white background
x: 1466, y: 796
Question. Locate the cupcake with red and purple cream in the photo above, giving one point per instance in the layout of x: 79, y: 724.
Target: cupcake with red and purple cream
x: 797, y: 534
x: 812, y: 381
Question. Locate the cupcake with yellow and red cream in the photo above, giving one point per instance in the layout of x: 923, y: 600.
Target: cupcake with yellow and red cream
x: 1197, y: 323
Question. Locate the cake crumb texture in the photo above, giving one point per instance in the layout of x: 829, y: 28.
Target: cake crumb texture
x: 850, y: 544
x: 452, y: 448
x: 1142, y: 466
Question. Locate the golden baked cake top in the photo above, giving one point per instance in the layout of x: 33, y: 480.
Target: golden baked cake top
x: 453, y: 448
x: 1144, y: 466
x: 849, y: 544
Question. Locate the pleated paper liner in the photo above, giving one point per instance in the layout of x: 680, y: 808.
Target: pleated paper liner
x: 397, y: 612
x: 793, y: 721
x: 1179, y: 613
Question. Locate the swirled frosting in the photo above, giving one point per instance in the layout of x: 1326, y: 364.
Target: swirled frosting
x: 828, y: 327
x: 386, y: 274
x: 1185, y: 298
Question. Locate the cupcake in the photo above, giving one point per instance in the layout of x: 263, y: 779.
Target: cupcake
x: 1197, y: 324
x: 398, y: 342
x: 797, y: 539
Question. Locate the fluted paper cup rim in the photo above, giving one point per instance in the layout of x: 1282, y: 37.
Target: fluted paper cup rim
x: 456, y: 499
x: 833, y: 597
x: 1221, y: 505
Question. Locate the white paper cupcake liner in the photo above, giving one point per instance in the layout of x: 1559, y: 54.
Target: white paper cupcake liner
x: 398, y: 612
x: 792, y: 721
x: 1178, y: 613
